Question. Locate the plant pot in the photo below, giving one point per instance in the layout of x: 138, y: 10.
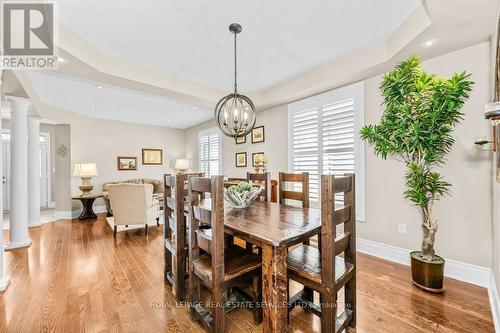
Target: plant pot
x: 426, y: 275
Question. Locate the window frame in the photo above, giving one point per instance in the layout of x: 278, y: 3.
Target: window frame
x: 208, y: 132
x: 355, y: 91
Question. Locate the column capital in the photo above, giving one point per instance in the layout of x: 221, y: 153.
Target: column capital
x: 34, y: 121
x: 19, y: 104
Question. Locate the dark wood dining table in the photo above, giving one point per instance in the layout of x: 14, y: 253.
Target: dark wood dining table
x: 274, y: 228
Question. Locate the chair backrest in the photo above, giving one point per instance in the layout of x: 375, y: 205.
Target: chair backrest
x: 331, y: 244
x: 173, y: 201
x: 129, y: 202
x: 265, y: 179
x: 284, y: 193
x: 208, y: 211
x: 174, y: 195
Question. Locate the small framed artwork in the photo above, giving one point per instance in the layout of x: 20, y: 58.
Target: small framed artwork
x: 127, y: 163
x: 152, y: 156
x: 258, y: 134
x: 240, y: 140
x: 241, y: 160
x: 257, y: 158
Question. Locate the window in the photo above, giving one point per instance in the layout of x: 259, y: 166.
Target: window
x: 209, y: 143
x: 324, y: 138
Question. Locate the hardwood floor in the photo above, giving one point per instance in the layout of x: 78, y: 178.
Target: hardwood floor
x: 76, y: 278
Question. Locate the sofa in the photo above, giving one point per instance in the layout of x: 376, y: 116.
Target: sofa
x: 157, y: 189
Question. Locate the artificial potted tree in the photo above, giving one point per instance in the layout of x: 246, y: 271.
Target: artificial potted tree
x: 421, y: 111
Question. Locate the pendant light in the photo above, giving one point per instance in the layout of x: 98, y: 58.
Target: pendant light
x: 235, y: 113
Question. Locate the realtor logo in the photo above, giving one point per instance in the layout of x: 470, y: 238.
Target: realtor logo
x: 28, y: 35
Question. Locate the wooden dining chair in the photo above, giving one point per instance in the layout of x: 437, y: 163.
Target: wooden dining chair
x: 302, y: 196
x: 265, y: 180
x: 175, y: 236
x: 224, y: 265
x: 323, y: 270
x: 296, y: 178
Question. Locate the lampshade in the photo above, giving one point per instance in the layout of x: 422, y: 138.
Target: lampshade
x: 182, y: 164
x: 85, y: 170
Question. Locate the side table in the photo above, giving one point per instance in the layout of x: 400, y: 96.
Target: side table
x: 87, y: 202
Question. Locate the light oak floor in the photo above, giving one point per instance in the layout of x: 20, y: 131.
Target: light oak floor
x: 76, y: 278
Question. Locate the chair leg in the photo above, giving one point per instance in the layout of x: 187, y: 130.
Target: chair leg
x: 350, y: 299
x: 146, y: 230
x: 194, y: 292
x: 328, y: 312
x: 115, y: 229
x: 257, y: 298
x: 309, y: 294
x: 218, y: 312
x: 158, y: 221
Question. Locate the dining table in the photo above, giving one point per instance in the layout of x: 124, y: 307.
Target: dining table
x: 274, y: 228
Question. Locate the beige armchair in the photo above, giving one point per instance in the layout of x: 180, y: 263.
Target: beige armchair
x: 133, y: 204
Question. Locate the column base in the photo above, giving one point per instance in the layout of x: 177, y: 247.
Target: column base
x: 34, y: 225
x: 12, y: 246
x: 4, y: 283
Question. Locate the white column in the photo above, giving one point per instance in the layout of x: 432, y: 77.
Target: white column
x: 4, y: 280
x: 34, y: 172
x: 18, y: 212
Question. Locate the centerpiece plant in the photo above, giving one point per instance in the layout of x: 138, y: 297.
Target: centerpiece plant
x: 416, y: 128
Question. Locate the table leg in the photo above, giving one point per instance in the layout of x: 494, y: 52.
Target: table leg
x: 274, y: 289
x: 87, y: 211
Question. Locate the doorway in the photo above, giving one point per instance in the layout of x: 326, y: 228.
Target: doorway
x: 44, y: 156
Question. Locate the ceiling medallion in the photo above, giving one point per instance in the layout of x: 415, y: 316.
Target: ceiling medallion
x: 235, y: 113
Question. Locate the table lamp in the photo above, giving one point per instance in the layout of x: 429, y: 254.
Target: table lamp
x: 182, y: 165
x: 85, y: 171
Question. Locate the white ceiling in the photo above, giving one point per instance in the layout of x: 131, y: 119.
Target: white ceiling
x: 280, y: 40
x: 114, y: 103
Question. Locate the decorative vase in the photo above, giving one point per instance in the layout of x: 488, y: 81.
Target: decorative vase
x: 426, y: 275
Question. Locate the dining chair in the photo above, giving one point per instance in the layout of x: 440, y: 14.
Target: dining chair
x: 295, y: 178
x: 174, y: 227
x: 265, y: 180
x: 286, y: 194
x: 323, y: 270
x: 224, y: 265
x: 265, y: 195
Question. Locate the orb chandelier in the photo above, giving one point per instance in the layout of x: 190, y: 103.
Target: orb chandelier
x: 235, y: 113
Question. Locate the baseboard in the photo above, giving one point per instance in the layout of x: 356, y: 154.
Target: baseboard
x: 73, y: 214
x: 494, y: 302
x: 4, y: 283
x: 66, y: 214
x: 465, y: 272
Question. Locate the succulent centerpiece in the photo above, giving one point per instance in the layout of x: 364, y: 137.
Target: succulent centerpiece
x: 241, y: 195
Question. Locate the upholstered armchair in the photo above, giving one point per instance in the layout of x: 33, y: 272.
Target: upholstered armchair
x: 133, y: 204
x: 157, y: 189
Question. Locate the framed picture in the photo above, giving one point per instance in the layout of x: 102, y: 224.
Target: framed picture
x: 127, y: 163
x: 241, y: 160
x: 152, y: 156
x: 257, y: 157
x: 258, y: 134
x: 240, y: 140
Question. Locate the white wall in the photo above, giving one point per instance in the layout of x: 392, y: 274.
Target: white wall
x: 275, y: 144
x: 465, y: 217
x: 102, y: 141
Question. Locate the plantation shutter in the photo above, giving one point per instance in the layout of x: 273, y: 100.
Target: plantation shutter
x: 306, y: 147
x: 209, y: 153
x: 323, y: 139
x: 338, y: 137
